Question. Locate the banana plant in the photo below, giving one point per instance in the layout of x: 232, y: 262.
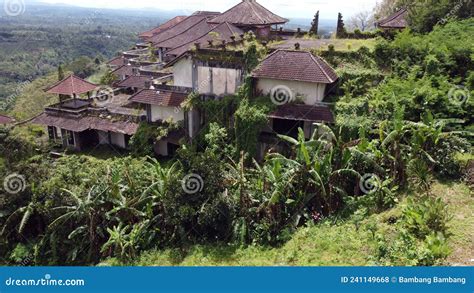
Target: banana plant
x: 85, y: 214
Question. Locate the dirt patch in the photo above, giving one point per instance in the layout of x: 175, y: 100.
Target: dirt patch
x: 469, y: 174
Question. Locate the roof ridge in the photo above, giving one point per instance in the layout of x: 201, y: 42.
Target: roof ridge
x: 188, y: 17
x: 71, y: 76
x: 313, y: 70
x: 257, y: 10
x: 169, y: 20
x: 72, y: 85
x: 188, y: 29
x: 170, y: 27
x: 253, y: 9
x: 268, y: 57
x: 197, y: 38
x: 393, y: 15
x: 319, y: 65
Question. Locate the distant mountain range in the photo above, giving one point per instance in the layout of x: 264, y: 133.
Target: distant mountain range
x: 33, y: 6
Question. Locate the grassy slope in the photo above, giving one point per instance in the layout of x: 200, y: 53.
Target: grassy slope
x: 32, y: 98
x: 326, y: 244
x: 322, y: 44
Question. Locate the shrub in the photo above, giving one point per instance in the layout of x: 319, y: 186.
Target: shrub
x: 423, y: 235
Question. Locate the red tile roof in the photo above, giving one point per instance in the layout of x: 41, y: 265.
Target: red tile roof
x: 79, y: 124
x: 162, y: 27
x: 165, y: 98
x: 302, y: 112
x: 134, y: 81
x: 117, y: 61
x: 249, y: 12
x: 296, y: 66
x: 180, y: 28
x: 124, y: 70
x: 199, y: 29
x: 396, y: 21
x: 71, y: 85
x: 223, y: 31
x: 6, y: 119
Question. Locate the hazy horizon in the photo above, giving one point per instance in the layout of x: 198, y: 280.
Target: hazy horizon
x: 297, y: 8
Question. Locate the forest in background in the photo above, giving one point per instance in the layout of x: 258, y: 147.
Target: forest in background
x: 404, y: 117
x: 46, y: 36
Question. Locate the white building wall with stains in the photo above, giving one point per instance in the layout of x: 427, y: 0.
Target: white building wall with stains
x: 311, y: 93
x: 165, y: 113
x: 205, y: 79
x: 183, y: 73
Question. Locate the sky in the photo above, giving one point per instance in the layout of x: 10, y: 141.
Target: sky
x: 286, y: 8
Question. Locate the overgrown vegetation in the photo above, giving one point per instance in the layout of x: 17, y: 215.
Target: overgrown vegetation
x: 361, y: 192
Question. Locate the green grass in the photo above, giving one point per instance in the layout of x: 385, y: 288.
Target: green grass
x: 343, y: 244
x: 344, y: 45
x: 349, y: 44
x: 460, y: 200
x: 96, y: 77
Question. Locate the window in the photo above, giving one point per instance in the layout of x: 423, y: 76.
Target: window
x: 70, y: 137
x: 51, y: 132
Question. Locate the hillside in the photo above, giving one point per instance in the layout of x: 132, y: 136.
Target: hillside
x: 45, y: 36
x: 351, y: 242
x: 353, y: 151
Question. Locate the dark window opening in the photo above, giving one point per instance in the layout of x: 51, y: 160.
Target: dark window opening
x: 70, y: 137
x: 52, y: 132
x: 172, y: 149
x: 287, y: 127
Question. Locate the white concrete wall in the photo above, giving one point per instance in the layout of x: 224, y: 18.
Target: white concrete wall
x: 165, y: 113
x: 209, y: 80
x: 183, y: 73
x: 311, y: 93
x: 218, y: 81
x: 118, y: 139
x: 193, y: 123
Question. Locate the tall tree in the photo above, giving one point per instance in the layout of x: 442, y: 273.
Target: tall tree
x: 362, y: 20
x: 423, y: 15
x: 61, y: 76
x: 341, y: 30
x: 60, y: 73
x: 385, y: 8
x: 315, y: 24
